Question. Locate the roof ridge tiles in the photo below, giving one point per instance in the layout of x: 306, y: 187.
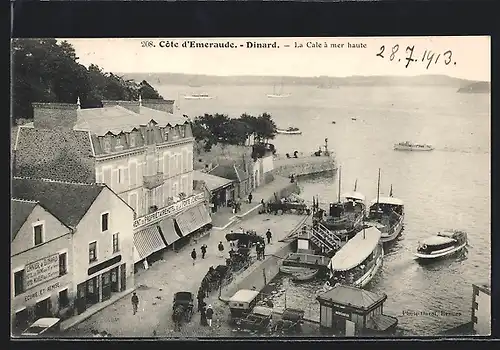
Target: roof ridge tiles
x: 59, y: 181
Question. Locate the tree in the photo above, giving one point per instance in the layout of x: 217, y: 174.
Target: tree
x: 47, y: 71
x: 149, y: 92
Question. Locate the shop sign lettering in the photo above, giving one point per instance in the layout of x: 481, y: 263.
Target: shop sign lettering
x: 342, y: 314
x: 41, y: 271
x: 169, y: 210
x: 41, y: 292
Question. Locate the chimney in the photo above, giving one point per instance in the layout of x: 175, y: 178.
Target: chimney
x: 133, y: 106
x: 159, y: 105
x: 54, y: 115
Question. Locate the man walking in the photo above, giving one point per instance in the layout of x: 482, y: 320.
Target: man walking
x: 221, y: 249
x: 210, y: 314
x: 203, y: 251
x: 250, y: 198
x: 193, y: 256
x: 135, y: 302
x: 269, y: 235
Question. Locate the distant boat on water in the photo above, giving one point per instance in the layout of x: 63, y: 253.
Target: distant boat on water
x: 279, y: 93
x: 202, y: 96
x: 291, y: 130
x: 410, y: 146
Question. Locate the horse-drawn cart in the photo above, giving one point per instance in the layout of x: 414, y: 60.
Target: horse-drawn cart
x: 257, y: 320
x: 183, y: 307
x: 288, y: 207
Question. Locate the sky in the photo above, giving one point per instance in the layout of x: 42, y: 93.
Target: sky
x: 470, y: 56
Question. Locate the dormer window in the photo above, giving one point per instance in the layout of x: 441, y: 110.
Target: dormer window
x: 119, y: 142
x: 182, y: 131
x: 132, y: 140
x: 107, y: 145
x: 165, y: 132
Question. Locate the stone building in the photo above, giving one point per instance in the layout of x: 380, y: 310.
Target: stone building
x: 71, y: 248
x: 140, y: 149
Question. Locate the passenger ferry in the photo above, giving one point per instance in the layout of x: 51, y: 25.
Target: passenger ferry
x: 441, y: 245
x: 198, y: 97
x: 345, y: 217
x: 409, y: 146
x: 291, y: 131
x: 358, y: 261
x: 387, y: 214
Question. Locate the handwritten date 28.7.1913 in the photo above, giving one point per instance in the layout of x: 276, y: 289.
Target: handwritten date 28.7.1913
x: 411, y: 56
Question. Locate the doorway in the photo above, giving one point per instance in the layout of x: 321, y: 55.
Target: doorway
x: 42, y: 308
x: 106, y: 285
x: 114, y: 280
x: 339, y: 325
x: 81, y: 298
x: 92, y: 291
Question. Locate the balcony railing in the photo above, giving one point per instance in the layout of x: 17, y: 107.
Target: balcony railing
x: 153, y: 181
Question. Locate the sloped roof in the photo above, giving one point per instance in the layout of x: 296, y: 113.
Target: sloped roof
x: 229, y: 171
x: 67, y: 201
x: 54, y: 154
x: 212, y: 182
x: 351, y: 296
x: 19, y: 212
x: 117, y: 119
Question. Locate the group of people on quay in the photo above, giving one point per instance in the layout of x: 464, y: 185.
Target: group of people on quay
x: 240, y: 245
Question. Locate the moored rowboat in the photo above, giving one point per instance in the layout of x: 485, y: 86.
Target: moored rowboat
x: 305, y: 276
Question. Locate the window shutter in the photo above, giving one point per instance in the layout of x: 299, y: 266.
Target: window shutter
x: 166, y: 169
x: 133, y: 173
x: 107, y: 176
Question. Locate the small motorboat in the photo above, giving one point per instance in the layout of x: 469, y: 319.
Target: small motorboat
x: 290, y: 131
x: 290, y: 270
x: 334, y: 122
x: 353, y: 118
x: 305, y: 276
x: 441, y: 245
x: 410, y: 146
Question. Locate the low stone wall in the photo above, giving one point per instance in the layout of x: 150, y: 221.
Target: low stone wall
x: 304, y: 166
x: 261, y: 275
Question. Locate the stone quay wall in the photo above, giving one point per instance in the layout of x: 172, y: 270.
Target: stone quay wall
x: 304, y: 166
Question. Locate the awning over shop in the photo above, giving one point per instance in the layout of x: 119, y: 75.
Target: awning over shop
x: 146, y: 242
x: 168, y: 231
x: 193, y: 219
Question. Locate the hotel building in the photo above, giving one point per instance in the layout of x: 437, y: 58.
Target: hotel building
x: 140, y: 149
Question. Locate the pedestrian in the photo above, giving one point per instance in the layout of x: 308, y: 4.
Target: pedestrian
x: 250, y: 197
x: 257, y: 250
x: 210, y: 315
x: 269, y: 236
x: 221, y: 249
x: 135, y: 302
x: 263, y: 251
x: 203, y: 251
x: 193, y: 256
x: 203, y: 315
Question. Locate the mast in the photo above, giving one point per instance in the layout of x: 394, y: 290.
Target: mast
x: 340, y: 181
x: 390, y: 193
x: 378, y: 188
x: 355, y: 185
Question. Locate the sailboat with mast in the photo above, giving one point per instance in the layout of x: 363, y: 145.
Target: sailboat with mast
x: 386, y: 214
x: 345, y: 217
x: 279, y: 93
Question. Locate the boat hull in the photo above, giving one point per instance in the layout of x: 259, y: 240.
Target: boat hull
x: 277, y: 96
x: 394, y: 231
x: 293, y: 270
x: 439, y: 254
x: 413, y: 149
x: 289, y: 132
x: 305, y: 277
x: 197, y: 98
x: 368, y: 276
